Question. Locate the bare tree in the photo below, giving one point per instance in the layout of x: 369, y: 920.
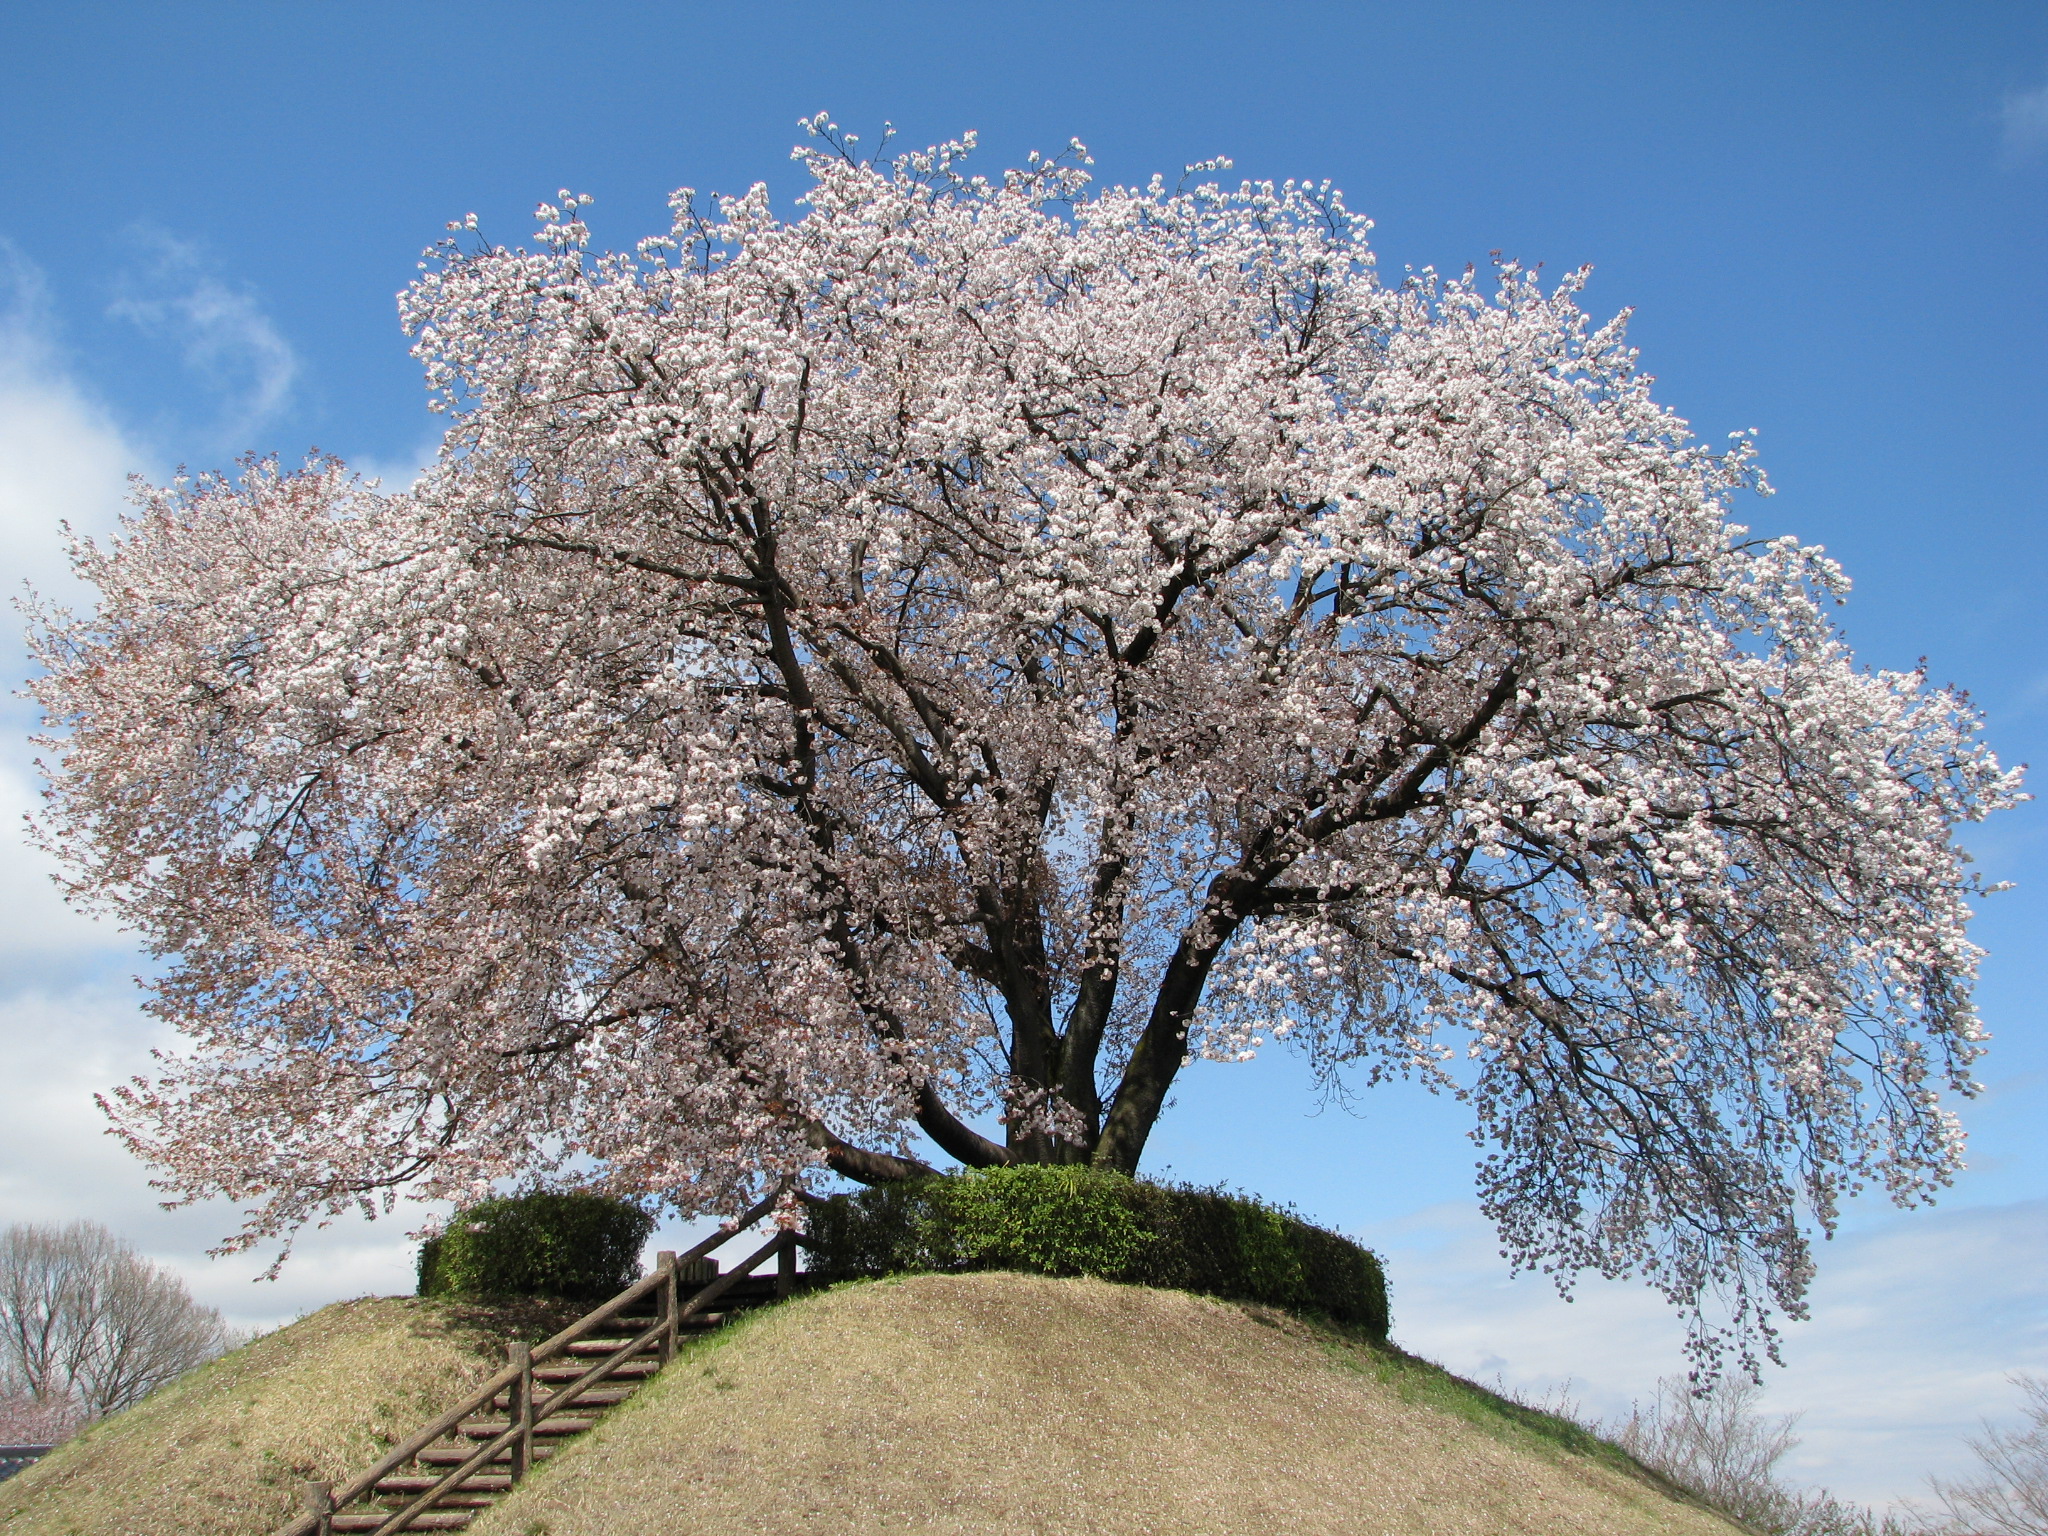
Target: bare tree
x: 2009, y: 1494
x: 1720, y: 1445
x: 1716, y: 1443
x: 88, y: 1326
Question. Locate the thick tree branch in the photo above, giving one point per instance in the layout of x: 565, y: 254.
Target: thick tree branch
x: 955, y: 1138
x: 861, y: 1165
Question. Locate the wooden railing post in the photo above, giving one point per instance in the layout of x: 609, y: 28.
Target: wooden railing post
x: 522, y: 1411
x: 318, y: 1501
x: 785, y: 1267
x: 666, y: 1262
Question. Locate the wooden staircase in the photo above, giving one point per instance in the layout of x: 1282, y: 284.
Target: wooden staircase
x: 548, y: 1394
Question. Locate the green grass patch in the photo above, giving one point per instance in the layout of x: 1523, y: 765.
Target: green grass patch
x: 1425, y: 1384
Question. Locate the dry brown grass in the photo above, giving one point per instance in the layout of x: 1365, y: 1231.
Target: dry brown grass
x: 221, y: 1452
x: 1011, y: 1403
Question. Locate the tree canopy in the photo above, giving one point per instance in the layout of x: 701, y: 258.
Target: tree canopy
x: 952, y: 658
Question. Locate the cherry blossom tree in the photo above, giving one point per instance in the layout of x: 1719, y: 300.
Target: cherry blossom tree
x: 922, y: 673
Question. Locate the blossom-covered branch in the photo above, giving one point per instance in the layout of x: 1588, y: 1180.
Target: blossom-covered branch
x: 961, y: 654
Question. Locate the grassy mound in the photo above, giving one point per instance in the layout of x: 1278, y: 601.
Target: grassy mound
x: 221, y: 1452
x: 1005, y: 1402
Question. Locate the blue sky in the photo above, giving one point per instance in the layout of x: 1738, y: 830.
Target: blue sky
x: 1828, y: 219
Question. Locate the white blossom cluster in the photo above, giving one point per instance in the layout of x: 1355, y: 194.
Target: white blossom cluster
x: 973, y: 649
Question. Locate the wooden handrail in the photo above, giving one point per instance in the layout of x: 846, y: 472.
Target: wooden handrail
x: 711, y: 1292
x: 598, y: 1372
x: 479, y: 1457
x: 518, y: 1375
x: 724, y: 1282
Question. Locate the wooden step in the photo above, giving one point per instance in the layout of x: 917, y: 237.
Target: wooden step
x: 626, y: 1327
x: 410, y: 1485
x: 600, y: 1396
x: 490, y: 1429
x: 762, y: 1282
x: 635, y: 1369
x: 584, y: 1349
x: 396, y: 1502
x: 614, y: 1381
x: 455, y: 1455
x: 743, y: 1293
x: 427, y: 1520
x: 612, y: 1343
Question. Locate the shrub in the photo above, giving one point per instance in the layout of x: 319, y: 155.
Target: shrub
x: 1085, y: 1221
x: 1057, y: 1221
x: 578, y: 1247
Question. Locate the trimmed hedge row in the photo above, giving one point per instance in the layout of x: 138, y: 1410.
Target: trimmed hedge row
x: 578, y: 1247
x: 1086, y: 1221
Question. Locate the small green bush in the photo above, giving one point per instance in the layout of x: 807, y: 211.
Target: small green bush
x: 578, y: 1247
x: 1057, y: 1221
x: 1085, y: 1221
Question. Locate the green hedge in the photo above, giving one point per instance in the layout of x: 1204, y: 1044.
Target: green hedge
x: 1084, y: 1221
x: 577, y: 1247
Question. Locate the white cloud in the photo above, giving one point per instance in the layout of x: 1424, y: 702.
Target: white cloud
x: 36, y: 928
x: 57, y: 1163
x: 62, y: 459
x: 2023, y: 120
x: 223, y: 333
x: 403, y: 470
x: 1917, y: 1319
x: 71, y: 1024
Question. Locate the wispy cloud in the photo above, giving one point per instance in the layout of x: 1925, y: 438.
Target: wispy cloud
x: 400, y: 471
x: 2023, y: 120
x: 223, y: 333
x: 68, y: 1028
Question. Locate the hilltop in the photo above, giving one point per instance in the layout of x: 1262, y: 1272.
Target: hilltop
x: 931, y: 1403
x: 1006, y: 1402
